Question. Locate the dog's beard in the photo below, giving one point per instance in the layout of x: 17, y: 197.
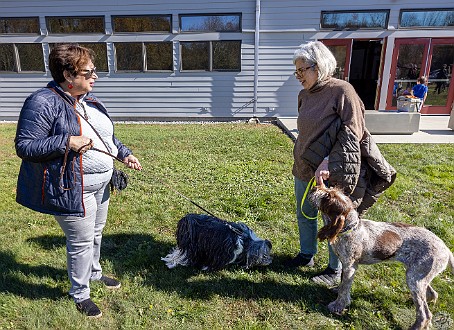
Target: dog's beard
x: 211, y: 243
x: 258, y: 251
x: 175, y: 257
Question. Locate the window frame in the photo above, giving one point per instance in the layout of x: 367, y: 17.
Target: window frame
x: 103, y: 17
x: 401, y: 11
x: 324, y: 12
x: 143, y: 55
x: 87, y: 45
x: 145, y: 43
x: 17, y: 60
x: 141, y: 32
x: 210, y: 56
x: 22, y: 33
x: 240, y: 24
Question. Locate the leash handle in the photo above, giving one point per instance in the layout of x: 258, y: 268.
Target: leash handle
x: 309, y: 186
x: 107, y: 153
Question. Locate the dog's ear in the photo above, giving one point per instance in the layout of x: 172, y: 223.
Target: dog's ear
x: 268, y: 244
x: 332, y: 229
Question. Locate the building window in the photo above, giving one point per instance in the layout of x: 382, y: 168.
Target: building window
x: 7, y: 55
x: 129, y: 56
x: 426, y: 18
x: 100, y: 50
x: 211, y: 55
x: 195, y: 56
x: 210, y: 23
x: 19, y: 25
x: 148, y: 23
x: 159, y: 56
x: 138, y: 56
x: 79, y: 24
x: 21, y: 58
x: 226, y: 55
x: 355, y: 19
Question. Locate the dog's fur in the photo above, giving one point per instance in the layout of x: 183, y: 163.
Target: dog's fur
x: 360, y: 241
x: 211, y: 244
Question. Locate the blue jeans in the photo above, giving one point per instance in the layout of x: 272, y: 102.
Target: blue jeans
x: 83, y: 240
x: 308, y: 227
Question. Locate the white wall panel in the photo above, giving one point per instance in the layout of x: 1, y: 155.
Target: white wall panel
x: 284, y: 25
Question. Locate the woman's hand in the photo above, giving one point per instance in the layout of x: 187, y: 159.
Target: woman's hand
x: 80, y: 143
x: 132, y: 162
x: 322, y: 172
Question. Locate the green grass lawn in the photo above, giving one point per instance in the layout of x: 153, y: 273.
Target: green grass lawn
x: 240, y: 172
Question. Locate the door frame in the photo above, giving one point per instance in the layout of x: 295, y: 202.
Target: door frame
x: 349, y: 45
x: 425, y: 68
x: 348, y: 54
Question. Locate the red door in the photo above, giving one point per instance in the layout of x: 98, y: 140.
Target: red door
x: 341, y: 49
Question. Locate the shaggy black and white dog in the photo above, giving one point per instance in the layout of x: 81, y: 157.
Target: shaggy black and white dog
x: 211, y: 243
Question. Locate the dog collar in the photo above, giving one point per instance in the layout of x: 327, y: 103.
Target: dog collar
x: 349, y: 228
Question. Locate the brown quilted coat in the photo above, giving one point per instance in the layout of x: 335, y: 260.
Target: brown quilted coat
x: 358, y: 167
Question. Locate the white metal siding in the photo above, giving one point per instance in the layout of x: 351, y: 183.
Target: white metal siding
x: 284, y: 25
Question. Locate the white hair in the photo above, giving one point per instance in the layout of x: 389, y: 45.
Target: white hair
x: 316, y: 53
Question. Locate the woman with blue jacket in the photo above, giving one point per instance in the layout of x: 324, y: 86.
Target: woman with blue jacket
x: 61, y: 174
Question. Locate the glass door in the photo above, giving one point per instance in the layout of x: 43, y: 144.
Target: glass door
x: 430, y: 57
x: 408, y: 64
x: 441, y: 89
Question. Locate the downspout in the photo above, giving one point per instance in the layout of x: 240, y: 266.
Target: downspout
x: 256, y: 54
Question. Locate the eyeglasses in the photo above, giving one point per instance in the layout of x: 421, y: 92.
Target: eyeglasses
x: 89, y: 73
x: 299, y: 72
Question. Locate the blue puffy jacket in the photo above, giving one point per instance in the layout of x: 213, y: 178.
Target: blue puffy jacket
x: 46, y: 122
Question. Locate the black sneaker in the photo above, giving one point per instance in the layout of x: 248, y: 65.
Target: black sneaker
x: 329, y: 278
x: 110, y: 283
x: 89, y: 308
x: 300, y: 260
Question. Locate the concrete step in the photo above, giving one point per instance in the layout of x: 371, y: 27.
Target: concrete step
x: 392, y: 122
x: 432, y: 129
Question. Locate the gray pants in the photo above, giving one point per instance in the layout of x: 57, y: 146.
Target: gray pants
x: 83, y: 240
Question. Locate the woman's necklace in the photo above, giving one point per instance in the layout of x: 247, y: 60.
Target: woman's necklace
x: 81, y: 105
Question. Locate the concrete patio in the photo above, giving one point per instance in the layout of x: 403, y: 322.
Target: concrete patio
x: 432, y: 129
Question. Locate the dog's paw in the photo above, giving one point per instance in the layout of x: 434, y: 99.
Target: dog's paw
x: 336, y: 307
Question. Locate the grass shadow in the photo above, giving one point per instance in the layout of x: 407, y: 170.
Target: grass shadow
x: 134, y: 253
x: 12, y: 271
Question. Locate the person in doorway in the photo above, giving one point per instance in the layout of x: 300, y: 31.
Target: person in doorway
x: 60, y: 174
x: 331, y: 132
x: 420, y: 90
x: 442, y: 76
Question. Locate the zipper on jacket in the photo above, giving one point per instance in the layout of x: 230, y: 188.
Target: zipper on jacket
x: 80, y: 163
x: 44, y: 183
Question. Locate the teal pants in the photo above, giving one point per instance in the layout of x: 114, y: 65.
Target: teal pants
x: 308, y: 227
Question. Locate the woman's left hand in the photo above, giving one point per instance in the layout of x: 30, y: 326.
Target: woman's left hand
x: 132, y: 162
x: 322, y: 172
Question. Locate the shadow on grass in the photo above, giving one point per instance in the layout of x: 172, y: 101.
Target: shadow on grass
x: 134, y: 253
x: 11, y: 272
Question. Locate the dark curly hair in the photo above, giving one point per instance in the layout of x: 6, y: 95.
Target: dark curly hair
x: 68, y: 57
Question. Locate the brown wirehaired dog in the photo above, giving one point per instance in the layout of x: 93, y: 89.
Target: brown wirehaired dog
x: 360, y: 241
